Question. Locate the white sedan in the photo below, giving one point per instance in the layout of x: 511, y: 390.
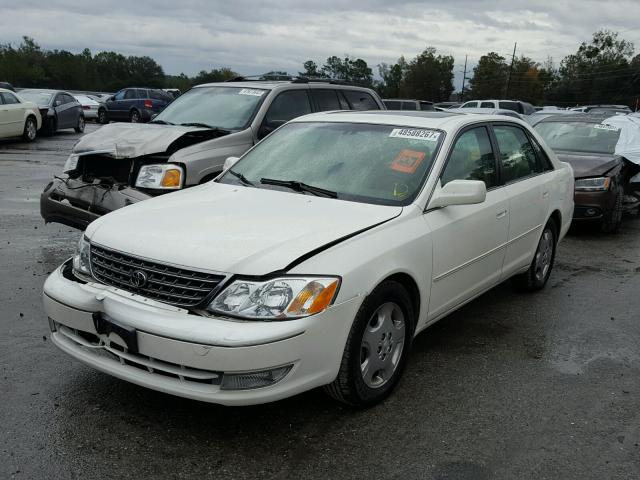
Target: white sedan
x: 315, y: 259
x: 18, y: 118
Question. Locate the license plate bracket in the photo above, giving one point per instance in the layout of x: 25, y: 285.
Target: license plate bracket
x: 106, y: 325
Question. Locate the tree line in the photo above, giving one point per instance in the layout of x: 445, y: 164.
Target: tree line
x: 603, y: 70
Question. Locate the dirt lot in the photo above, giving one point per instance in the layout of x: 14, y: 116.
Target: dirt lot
x: 542, y: 386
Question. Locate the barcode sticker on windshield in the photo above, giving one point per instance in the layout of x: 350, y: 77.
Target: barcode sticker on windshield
x: 251, y: 91
x: 602, y: 126
x: 415, y: 134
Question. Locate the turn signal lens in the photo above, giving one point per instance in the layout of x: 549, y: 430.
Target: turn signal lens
x: 313, y: 298
x: 171, y: 178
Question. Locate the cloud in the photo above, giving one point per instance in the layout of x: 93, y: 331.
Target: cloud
x: 253, y: 37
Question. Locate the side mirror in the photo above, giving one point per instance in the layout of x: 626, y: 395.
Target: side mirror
x: 230, y: 162
x: 458, y: 192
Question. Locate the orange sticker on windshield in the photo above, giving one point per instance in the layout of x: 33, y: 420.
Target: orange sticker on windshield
x: 407, y: 161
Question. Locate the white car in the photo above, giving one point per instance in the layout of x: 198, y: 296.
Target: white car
x: 315, y: 259
x: 90, y: 107
x: 18, y: 117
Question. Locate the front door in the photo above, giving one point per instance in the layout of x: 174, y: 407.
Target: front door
x: 469, y: 241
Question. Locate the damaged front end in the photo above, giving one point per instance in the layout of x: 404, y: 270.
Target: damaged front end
x: 99, y: 181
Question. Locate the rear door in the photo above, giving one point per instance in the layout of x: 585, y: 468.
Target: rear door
x: 325, y: 99
x: 116, y: 106
x: 12, y: 112
x: 529, y: 197
x: 468, y: 240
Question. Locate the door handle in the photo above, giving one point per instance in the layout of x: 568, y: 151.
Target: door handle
x: 502, y: 214
x: 545, y: 195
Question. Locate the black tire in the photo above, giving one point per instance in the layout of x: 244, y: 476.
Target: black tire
x: 30, y: 129
x: 134, y: 116
x: 103, y: 118
x: 613, y: 218
x: 350, y: 386
x: 540, y: 269
x: 79, y: 128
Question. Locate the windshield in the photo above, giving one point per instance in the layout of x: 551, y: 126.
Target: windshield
x: 39, y: 98
x: 579, y: 136
x: 379, y: 164
x: 230, y: 108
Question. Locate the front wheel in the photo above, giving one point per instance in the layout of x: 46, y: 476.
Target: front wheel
x: 79, y: 128
x: 613, y: 219
x: 540, y: 269
x: 102, y: 116
x: 377, y: 347
x: 30, y: 128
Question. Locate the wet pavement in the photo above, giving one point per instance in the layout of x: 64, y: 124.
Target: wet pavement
x: 512, y: 386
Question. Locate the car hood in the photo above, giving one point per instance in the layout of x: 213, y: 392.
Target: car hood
x: 130, y: 140
x: 586, y: 164
x: 233, y: 229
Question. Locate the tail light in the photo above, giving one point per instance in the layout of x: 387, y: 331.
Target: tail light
x: 86, y: 107
x: 148, y: 104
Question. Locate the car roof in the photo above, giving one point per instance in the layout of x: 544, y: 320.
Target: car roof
x: 578, y: 118
x: 273, y: 84
x: 488, y: 111
x: 427, y: 119
x: 6, y: 90
x: 43, y: 90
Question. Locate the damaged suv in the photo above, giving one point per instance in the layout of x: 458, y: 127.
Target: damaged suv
x: 185, y: 145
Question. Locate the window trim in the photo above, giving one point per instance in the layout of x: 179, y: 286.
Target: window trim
x: 499, y: 156
x: 550, y: 167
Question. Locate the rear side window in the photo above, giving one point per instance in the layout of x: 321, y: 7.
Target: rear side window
x: 472, y: 158
x: 69, y: 99
x: 142, y: 93
x: 393, y: 105
x: 487, y: 105
x: 517, y: 157
x: 360, y: 100
x: 326, y: 99
x: 154, y: 94
x: 287, y: 106
x: 130, y: 94
x: 510, y: 106
x: 409, y: 106
x: 9, y: 98
x: 426, y: 106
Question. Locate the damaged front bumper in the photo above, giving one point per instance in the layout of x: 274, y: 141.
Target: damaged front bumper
x: 76, y: 203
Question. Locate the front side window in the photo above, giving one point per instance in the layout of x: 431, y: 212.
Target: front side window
x: 287, y: 106
x: 360, y: 100
x: 409, y: 106
x: 470, y: 105
x: 487, y: 105
x: 471, y: 158
x: 380, y: 164
x: 120, y: 95
x: 229, y: 108
x: 517, y: 158
x: 9, y: 98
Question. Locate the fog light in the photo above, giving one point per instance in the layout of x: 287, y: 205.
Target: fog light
x: 249, y: 380
x: 591, y: 212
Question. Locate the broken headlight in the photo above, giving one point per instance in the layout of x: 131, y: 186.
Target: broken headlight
x: 81, y: 258
x: 276, y: 299
x: 599, y: 184
x: 166, y: 176
x: 71, y: 164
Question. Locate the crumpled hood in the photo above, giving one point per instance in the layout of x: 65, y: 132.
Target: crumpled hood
x: 233, y: 229
x: 130, y: 140
x: 588, y: 164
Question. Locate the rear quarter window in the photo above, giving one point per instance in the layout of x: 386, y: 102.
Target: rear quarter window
x: 360, y: 100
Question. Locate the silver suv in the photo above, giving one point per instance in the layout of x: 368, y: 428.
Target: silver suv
x: 186, y: 144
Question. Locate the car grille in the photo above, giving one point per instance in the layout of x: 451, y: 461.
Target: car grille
x: 164, y: 283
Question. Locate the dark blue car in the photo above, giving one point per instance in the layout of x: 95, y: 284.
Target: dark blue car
x: 137, y: 104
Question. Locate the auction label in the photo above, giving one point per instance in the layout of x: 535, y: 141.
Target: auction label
x: 251, y: 91
x: 602, y: 126
x: 415, y: 134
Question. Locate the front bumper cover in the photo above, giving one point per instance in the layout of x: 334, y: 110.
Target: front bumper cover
x: 75, y: 203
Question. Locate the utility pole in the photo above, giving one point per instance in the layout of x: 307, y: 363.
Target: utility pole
x: 464, y: 78
x: 506, y: 96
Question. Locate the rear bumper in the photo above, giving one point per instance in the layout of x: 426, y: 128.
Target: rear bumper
x: 189, y: 355
x: 77, y: 204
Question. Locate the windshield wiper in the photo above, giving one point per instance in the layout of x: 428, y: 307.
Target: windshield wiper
x: 241, y: 177
x: 161, y: 122
x: 205, y: 125
x: 299, y: 187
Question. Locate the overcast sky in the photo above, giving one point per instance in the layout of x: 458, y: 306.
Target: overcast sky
x: 257, y: 36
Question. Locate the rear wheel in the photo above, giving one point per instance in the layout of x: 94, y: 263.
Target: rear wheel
x: 79, y: 128
x: 30, y: 129
x: 540, y: 269
x: 613, y: 219
x: 377, y: 347
x: 134, y: 116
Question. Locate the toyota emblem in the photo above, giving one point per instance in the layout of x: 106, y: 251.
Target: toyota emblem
x: 139, y: 278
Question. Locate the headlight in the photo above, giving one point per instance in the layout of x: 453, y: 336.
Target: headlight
x: 164, y: 176
x: 276, y: 299
x: 71, y: 164
x: 81, y: 258
x: 599, y: 184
